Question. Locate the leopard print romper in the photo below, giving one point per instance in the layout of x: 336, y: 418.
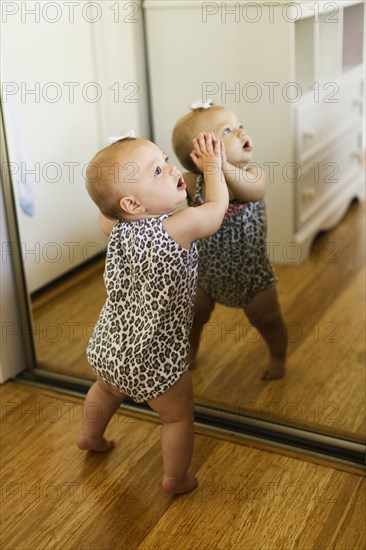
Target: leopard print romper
x: 140, y: 342
x: 233, y: 263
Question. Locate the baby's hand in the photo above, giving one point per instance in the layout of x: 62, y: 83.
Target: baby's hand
x: 206, y: 151
x: 222, y: 151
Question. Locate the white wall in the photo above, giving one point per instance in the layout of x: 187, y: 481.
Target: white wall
x: 55, y: 127
x: 12, y: 360
x: 36, y: 52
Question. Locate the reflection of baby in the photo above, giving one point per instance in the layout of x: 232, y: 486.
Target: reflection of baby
x: 234, y: 268
x: 140, y: 341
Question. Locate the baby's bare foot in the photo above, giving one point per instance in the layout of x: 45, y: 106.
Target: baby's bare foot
x: 98, y: 444
x: 176, y: 487
x: 276, y: 369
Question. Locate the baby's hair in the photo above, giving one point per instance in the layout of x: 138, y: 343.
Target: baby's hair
x: 103, y: 178
x: 187, y: 128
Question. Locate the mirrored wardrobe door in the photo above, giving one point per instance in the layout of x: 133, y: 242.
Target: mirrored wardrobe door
x: 293, y: 78
x: 70, y: 80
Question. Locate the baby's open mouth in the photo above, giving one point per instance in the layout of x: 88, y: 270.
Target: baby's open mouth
x: 181, y: 183
x: 247, y: 146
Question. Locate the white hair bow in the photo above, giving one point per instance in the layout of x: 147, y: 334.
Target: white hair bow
x: 129, y: 134
x: 199, y: 104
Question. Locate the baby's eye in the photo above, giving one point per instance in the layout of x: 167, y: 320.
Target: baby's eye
x: 157, y: 171
x: 226, y: 132
x: 241, y: 127
x: 167, y: 160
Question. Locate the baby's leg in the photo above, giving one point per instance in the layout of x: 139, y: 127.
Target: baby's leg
x: 100, y: 405
x: 203, y: 307
x: 176, y: 408
x: 264, y: 312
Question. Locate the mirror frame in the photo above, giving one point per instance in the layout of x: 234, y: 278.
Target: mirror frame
x: 208, y: 417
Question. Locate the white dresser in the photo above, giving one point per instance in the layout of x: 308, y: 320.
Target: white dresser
x: 293, y: 72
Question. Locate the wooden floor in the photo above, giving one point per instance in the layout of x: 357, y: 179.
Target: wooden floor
x: 56, y: 497
x: 323, y: 305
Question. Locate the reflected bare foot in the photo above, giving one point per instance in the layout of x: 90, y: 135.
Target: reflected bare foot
x: 98, y: 444
x: 175, y: 487
x: 276, y: 369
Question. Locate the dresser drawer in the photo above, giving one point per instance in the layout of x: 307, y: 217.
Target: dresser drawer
x: 351, y: 97
x: 316, y: 124
x: 320, y: 123
x: 324, y: 175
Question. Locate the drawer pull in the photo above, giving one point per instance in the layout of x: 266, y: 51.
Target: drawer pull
x: 309, y: 135
x: 358, y: 103
x: 308, y: 193
x: 356, y: 155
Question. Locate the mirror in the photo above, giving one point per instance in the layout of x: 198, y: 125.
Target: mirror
x: 75, y: 73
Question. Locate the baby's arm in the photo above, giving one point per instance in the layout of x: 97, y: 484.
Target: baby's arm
x: 247, y: 185
x: 191, y: 224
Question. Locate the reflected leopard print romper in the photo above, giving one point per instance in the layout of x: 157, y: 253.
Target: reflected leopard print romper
x: 233, y: 263
x: 140, y: 342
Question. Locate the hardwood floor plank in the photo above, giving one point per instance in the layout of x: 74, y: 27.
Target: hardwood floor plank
x: 353, y: 538
x: 262, y: 502
x: 326, y: 529
x: 55, y: 497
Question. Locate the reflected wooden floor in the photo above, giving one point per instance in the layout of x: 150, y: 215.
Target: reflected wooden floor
x: 323, y: 305
x: 55, y: 497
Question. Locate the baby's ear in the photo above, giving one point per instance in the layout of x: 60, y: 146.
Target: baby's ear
x: 131, y: 205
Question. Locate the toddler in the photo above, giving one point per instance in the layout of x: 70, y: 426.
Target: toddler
x: 234, y: 268
x: 140, y: 342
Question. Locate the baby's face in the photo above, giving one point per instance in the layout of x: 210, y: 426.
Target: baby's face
x: 226, y: 125
x: 157, y: 184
